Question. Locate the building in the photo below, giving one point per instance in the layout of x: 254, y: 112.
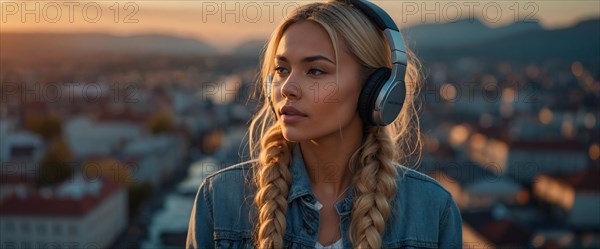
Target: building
x: 86, y: 137
x: 20, y: 151
x: 154, y: 158
x: 78, y: 213
x: 484, y: 193
x: 577, y: 194
x: 522, y: 160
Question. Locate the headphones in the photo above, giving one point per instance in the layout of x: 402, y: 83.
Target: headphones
x: 382, y: 95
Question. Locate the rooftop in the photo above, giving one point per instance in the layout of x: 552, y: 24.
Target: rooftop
x: 75, y: 197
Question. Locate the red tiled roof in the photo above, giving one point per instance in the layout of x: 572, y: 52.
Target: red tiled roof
x: 561, y: 145
x: 26, y: 179
x: 505, y: 232
x: 584, y: 180
x: 501, y: 232
x: 35, y: 205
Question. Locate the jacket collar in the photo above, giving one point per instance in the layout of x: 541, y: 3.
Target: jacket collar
x: 300, y: 182
x: 300, y: 185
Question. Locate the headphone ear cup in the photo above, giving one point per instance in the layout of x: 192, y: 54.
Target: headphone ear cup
x: 369, y: 93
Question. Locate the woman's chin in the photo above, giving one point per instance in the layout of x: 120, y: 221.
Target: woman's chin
x: 294, y: 135
x: 290, y: 137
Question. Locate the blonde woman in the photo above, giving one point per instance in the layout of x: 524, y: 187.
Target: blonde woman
x: 327, y: 165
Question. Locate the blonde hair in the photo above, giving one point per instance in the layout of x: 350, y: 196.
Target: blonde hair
x: 373, y: 165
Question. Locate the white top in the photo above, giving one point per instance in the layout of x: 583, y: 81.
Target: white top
x: 337, y: 245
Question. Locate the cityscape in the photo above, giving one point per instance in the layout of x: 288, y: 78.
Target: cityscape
x: 106, y: 148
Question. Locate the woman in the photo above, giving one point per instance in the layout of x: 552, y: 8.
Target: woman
x: 322, y: 176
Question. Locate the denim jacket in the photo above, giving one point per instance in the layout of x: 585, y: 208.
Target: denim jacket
x: 424, y: 215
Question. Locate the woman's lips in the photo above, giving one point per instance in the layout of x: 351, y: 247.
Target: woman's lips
x: 290, y: 114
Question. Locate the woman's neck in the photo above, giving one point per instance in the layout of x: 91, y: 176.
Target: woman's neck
x: 327, y: 160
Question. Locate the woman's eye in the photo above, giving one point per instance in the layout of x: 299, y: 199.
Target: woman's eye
x: 315, y: 71
x: 281, y: 70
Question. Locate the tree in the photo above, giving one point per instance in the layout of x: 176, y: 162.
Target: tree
x: 56, y: 165
x: 108, y: 168
x: 47, y: 126
x: 137, y: 194
x: 119, y: 172
x: 160, y: 122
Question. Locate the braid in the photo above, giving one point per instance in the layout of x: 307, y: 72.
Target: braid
x: 375, y: 183
x: 273, y: 179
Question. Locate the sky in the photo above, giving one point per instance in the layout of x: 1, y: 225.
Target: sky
x: 229, y: 23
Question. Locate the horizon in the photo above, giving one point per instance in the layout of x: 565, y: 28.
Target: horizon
x: 227, y: 24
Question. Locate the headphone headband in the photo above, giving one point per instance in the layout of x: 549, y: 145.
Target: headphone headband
x: 383, y: 96
x: 386, y: 24
x: 375, y: 13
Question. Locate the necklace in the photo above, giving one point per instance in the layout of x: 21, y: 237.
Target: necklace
x: 339, y: 196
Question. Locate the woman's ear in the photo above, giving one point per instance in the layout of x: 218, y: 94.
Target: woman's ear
x: 365, y: 72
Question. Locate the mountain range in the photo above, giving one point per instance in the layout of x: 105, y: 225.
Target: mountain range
x: 521, y: 40
x: 462, y: 32
x: 517, y: 41
x: 51, y: 45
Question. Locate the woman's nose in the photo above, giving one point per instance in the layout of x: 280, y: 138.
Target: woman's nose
x: 291, y: 88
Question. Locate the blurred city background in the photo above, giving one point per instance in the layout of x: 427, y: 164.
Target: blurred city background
x: 112, y: 113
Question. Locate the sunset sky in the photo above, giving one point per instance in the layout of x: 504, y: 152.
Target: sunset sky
x: 228, y: 23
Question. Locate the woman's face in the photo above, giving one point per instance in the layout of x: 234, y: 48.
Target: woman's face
x: 309, y: 102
